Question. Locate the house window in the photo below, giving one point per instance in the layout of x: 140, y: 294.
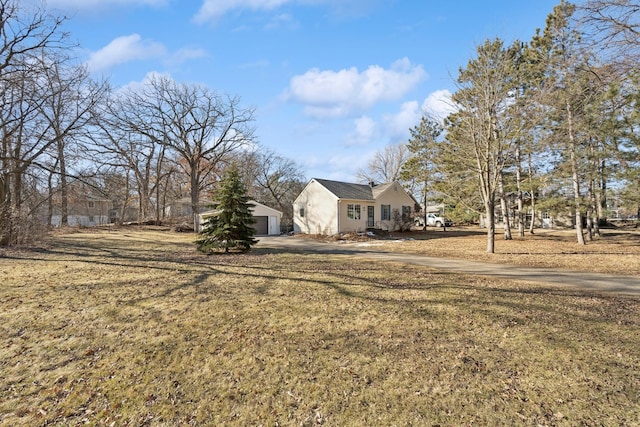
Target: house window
x: 353, y: 211
x: 406, y: 213
x: 301, y: 212
x: 385, y: 214
x: 92, y: 204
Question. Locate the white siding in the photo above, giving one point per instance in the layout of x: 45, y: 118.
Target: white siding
x: 395, y: 196
x: 274, y: 217
x: 353, y: 225
x: 80, y: 220
x: 258, y: 210
x: 320, y: 211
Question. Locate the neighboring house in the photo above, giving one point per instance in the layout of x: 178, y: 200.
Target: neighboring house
x: 178, y: 208
x: 267, y: 219
x: 84, y: 213
x: 332, y: 207
x: 86, y: 207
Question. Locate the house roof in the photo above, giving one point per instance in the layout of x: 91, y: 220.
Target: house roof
x: 256, y: 207
x: 264, y: 208
x: 345, y: 190
x: 381, y: 188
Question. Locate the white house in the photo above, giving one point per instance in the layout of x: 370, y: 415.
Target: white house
x: 331, y: 207
x: 267, y: 219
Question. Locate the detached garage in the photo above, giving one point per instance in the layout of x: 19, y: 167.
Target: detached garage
x: 267, y: 219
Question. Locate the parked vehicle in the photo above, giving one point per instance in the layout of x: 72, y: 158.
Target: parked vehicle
x: 433, y: 220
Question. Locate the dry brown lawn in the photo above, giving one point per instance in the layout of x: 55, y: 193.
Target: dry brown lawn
x: 616, y: 251
x: 134, y: 327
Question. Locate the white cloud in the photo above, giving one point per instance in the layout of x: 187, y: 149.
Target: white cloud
x: 139, y: 86
x: 366, y: 130
x: 398, y: 125
x: 214, y: 9
x: 125, y: 49
x: 343, y: 166
x: 438, y: 104
x: 331, y: 93
x: 101, y: 4
x: 186, y: 54
x: 283, y: 20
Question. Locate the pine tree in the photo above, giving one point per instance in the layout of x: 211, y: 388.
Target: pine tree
x: 480, y: 134
x: 231, y: 226
x: 420, y: 168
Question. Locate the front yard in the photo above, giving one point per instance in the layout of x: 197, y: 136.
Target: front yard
x: 134, y: 327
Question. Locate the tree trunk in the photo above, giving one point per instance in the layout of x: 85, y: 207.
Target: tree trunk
x: 125, y: 200
x: 5, y: 210
x: 424, y: 201
x: 195, y: 198
x: 64, y: 191
x: 601, y: 196
x: 50, y: 199
x: 533, y: 195
x: 505, y: 209
x: 575, y: 177
x: 491, y: 226
x: 589, y: 230
x: 520, y: 216
x: 595, y: 218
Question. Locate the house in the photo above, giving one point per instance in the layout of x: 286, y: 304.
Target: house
x: 332, y: 207
x: 85, y: 207
x: 84, y: 212
x: 267, y: 219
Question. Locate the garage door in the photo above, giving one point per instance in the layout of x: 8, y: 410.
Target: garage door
x: 261, y: 225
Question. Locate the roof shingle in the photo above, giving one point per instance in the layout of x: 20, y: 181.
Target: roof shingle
x: 345, y: 190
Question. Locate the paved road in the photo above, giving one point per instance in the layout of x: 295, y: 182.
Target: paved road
x: 587, y: 281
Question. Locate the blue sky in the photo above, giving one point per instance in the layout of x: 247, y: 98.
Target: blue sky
x: 331, y: 81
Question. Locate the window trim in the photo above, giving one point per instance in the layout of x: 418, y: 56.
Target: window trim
x: 354, y: 211
x: 385, y: 212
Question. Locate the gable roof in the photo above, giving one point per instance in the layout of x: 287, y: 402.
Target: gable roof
x: 381, y: 188
x: 264, y: 208
x: 345, y: 190
x: 252, y: 202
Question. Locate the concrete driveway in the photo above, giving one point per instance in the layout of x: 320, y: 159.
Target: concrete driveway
x: 585, y: 281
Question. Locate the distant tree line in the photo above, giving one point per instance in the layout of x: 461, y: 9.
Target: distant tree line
x: 550, y: 124
x: 142, y: 149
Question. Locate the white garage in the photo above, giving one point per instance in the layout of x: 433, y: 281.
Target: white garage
x: 267, y: 219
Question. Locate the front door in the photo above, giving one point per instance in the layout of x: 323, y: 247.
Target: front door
x: 370, y: 221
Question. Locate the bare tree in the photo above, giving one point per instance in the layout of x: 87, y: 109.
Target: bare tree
x: 200, y: 126
x: 385, y: 165
x: 119, y: 147
x: 614, y: 26
x: 26, y: 36
x: 73, y: 96
x: 276, y: 182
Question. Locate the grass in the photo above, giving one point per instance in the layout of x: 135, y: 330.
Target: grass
x: 617, y: 251
x: 135, y: 327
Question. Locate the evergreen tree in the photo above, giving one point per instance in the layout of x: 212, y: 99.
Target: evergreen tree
x: 231, y: 226
x: 570, y: 88
x: 480, y: 134
x: 419, y: 169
